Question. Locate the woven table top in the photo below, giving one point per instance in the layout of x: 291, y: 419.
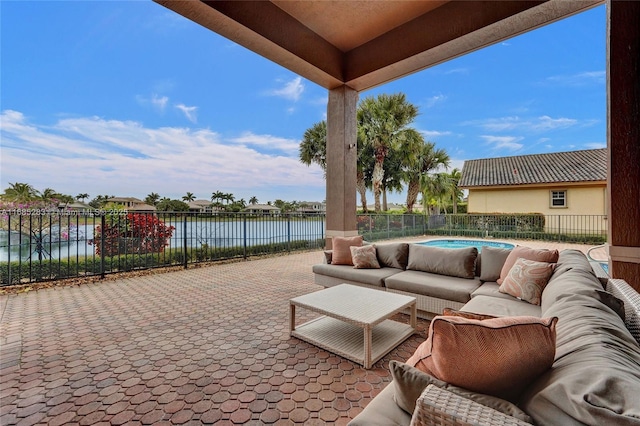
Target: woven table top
x: 354, y: 304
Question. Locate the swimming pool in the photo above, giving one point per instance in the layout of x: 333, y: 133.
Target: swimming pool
x: 466, y: 243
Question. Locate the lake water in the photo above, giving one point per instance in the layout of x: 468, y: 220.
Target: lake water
x: 195, y: 233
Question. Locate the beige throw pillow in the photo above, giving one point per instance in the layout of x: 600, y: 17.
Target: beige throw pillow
x: 549, y: 256
x: 527, y: 279
x: 364, y: 257
x: 498, y: 357
x: 341, y: 249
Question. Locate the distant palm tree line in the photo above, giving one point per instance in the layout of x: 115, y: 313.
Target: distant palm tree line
x: 391, y: 154
x: 221, y: 201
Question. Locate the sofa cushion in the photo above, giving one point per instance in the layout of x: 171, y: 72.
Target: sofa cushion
x: 373, y: 277
x: 508, y: 353
x: 342, y: 249
x: 595, y: 377
x: 539, y: 255
x: 448, y: 312
x: 433, y: 285
x: 501, y: 307
x: 491, y: 262
x: 492, y: 289
x: 364, y: 257
x: 409, y: 382
x: 451, y: 262
x: 382, y: 411
x: 527, y: 279
x: 394, y: 255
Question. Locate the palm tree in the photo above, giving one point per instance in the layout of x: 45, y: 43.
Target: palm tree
x: 189, y: 197
x: 20, y: 192
x: 253, y: 200
x: 313, y: 148
x: 454, y: 191
x: 434, y: 190
x: 49, y: 194
x: 217, y: 196
x: 152, y: 199
x: 82, y: 196
x: 427, y: 160
x: 384, y: 122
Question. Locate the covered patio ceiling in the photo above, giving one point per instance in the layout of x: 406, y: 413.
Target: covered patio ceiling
x: 351, y: 46
x: 363, y: 44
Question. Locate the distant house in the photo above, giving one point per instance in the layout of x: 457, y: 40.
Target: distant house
x: 132, y: 204
x: 562, y: 183
x: 263, y: 209
x: 201, y: 206
x: 311, y: 207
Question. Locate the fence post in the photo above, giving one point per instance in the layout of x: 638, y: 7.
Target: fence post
x: 184, y: 232
x: 289, y: 233
x: 9, y: 251
x: 103, y: 222
x: 244, y: 235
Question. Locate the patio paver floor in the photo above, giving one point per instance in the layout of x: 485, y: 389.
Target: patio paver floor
x: 203, y: 345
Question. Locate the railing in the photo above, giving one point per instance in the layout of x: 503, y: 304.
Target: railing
x: 585, y: 229
x: 52, y: 246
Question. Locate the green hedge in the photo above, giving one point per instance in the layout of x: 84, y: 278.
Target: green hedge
x: 48, y: 269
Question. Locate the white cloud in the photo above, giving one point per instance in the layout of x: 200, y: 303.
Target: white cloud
x: 159, y: 102
x: 537, y: 124
x: 457, y: 71
x: 98, y: 156
x: 547, y: 123
x: 579, y: 79
x: 595, y: 145
x: 189, y: 112
x: 291, y: 90
x: 504, y: 142
x: 430, y: 102
x: 433, y: 133
x: 268, y: 141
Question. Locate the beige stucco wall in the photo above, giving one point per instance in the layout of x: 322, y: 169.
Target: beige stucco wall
x: 586, y: 202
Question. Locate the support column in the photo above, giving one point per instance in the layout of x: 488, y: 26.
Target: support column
x: 623, y: 139
x: 341, y: 163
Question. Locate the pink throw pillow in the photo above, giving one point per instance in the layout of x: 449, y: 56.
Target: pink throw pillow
x: 499, y: 356
x: 549, y: 256
x: 341, y: 249
x: 364, y: 257
x: 527, y: 279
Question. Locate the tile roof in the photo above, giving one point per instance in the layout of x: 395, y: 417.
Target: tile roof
x: 574, y: 166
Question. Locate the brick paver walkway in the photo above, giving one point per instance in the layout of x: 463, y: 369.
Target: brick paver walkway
x: 204, y: 345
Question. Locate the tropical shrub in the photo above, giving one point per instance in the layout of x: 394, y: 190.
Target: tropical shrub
x: 136, y: 233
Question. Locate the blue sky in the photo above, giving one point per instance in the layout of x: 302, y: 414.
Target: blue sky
x: 128, y: 98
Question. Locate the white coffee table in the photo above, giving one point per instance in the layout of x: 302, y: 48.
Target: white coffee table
x: 355, y: 322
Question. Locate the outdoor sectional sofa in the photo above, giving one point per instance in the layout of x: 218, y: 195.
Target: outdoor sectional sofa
x: 594, y: 378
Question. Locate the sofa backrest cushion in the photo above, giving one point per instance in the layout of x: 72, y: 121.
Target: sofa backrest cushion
x: 452, y: 262
x: 409, y: 382
x: 499, y: 356
x: 491, y: 262
x: 539, y: 255
x: 342, y: 249
x: 394, y: 255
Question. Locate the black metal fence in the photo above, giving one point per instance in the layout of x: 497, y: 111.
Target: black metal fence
x: 40, y: 246
x: 49, y: 246
x: 581, y: 229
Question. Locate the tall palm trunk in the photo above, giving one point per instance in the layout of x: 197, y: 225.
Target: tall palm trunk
x: 385, y: 207
x: 378, y: 175
x: 413, y: 189
x: 361, y: 187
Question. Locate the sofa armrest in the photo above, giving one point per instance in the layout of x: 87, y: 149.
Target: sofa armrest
x: 631, y: 299
x: 439, y: 407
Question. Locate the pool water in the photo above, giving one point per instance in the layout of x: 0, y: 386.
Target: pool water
x: 466, y: 243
